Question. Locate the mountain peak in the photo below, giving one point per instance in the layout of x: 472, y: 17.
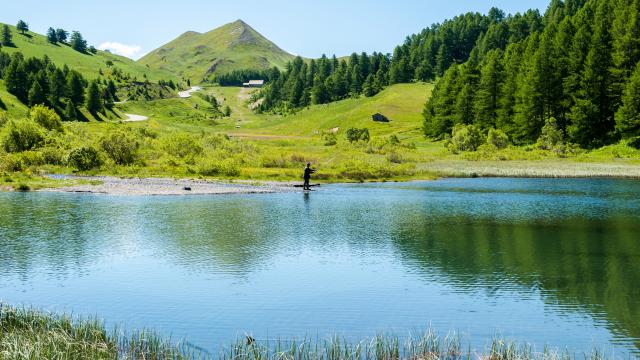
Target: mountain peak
x: 233, y: 46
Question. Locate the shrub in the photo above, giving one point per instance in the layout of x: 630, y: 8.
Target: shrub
x: 465, y: 138
x: 84, y: 158
x: 551, y: 136
x: 121, y: 147
x: 634, y: 142
x: 181, y: 145
x: 32, y: 158
x: 22, y: 135
x: 47, y: 118
x: 497, y: 138
x: 394, y: 157
x: 3, y: 119
x: 355, y: 135
x: 22, y: 187
x: 53, y: 155
x: 226, y: 167
x: 11, y: 163
x: 330, y: 139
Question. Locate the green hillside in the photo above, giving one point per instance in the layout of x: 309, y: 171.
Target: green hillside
x: 89, y: 65
x: 231, y: 47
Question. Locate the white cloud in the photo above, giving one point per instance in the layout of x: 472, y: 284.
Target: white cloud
x: 130, y: 51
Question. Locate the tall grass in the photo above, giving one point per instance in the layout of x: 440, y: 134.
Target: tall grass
x: 29, y: 334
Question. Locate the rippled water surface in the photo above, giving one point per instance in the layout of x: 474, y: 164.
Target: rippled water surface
x: 543, y: 261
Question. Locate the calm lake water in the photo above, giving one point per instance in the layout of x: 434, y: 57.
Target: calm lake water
x: 543, y: 261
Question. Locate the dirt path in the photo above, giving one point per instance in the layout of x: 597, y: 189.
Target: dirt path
x: 187, y: 93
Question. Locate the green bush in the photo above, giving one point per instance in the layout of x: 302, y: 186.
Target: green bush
x: 634, y: 142
x: 32, y: 158
x: 181, y: 145
x: 11, y: 163
x: 47, y: 118
x: 465, y: 138
x: 22, y: 135
x: 330, y: 139
x: 3, y: 119
x: 226, y: 167
x: 497, y: 138
x: 121, y: 147
x: 551, y: 137
x: 355, y: 135
x: 53, y: 155
x: 84, y: 158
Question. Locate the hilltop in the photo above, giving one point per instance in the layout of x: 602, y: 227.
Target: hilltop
x: 230, y: 47
x: 89, y: 65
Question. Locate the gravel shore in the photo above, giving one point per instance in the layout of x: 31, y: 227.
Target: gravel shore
x: 164, y: 186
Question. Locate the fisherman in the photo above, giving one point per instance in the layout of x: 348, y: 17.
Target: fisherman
x: 307, y: 176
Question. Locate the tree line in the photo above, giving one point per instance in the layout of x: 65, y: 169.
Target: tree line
x: 579, y: 72
x: 422, y: 57
x: 37, y: 81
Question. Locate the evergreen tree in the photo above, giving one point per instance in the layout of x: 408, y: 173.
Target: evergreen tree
x: 368, y: 88
x: 70, y: 111
x: 75, y: 86
x: 488, y: 95
x: 36, y: 94
x: 57, y: 87
x: 77, y: 42
x: 593, y: 114
x: 7, y: 38
x: 52, y: 36
x: 94, y: 98
x: 227, y: 111
x: 15, y: 78
x: 22, y: 26
x: 626, y: 46
x: 62, y: 35
x: 440, y: 109
x: 628, y: 115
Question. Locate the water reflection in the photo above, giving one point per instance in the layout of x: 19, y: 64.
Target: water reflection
x: 347, y: 258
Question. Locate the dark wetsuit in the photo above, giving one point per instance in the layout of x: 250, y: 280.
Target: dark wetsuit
x: 307, y: 176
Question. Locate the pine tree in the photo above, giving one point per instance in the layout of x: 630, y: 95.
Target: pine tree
x: 488, y: 95
x: 62, y: 35
x: 36, y: 94
x: 368, y: 88
x: 75, y: 86
x: 57, y: 87
x: 22, y: 26
x: 628, y: 115
x: 94, y: 98
x: 7, y: 38
x: 227, y: 111
x: 468, y: 84
x: 52, y: 36
x: 77, y: 42
x: 626, y: 46
x: 15, y: 78
x: 593, y: 114
x: 70, y: 111
x: 439, y: 110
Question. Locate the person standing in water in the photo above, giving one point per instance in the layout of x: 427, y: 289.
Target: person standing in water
x: 307, y: 176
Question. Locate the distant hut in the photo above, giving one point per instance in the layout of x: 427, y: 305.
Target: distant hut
x: 254, y: 84
x: 380, y: 118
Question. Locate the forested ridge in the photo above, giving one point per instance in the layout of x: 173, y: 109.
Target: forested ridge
x: 422, y: 57
x: 578, y: 75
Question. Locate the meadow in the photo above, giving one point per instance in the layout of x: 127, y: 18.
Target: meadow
x: 191, y: 138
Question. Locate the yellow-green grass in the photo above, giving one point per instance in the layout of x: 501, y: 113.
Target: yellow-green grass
x: 233, y: 46
x: 89, y: 65
x: 30, y: 334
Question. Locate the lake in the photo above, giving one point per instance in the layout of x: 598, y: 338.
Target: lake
x: 543, y: 261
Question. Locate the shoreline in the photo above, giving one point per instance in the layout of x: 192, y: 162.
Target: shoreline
x: 112, y: 185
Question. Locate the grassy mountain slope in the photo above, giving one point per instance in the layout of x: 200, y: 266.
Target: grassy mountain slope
x: 233, y: 46
x: 36, y: 45
x: 402, y: 103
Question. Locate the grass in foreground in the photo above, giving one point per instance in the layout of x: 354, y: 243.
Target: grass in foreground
x: 29, y: 334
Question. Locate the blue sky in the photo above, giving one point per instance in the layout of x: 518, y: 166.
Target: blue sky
x: 304, y: 27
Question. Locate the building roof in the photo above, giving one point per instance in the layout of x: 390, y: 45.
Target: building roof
x: 256, y: 82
